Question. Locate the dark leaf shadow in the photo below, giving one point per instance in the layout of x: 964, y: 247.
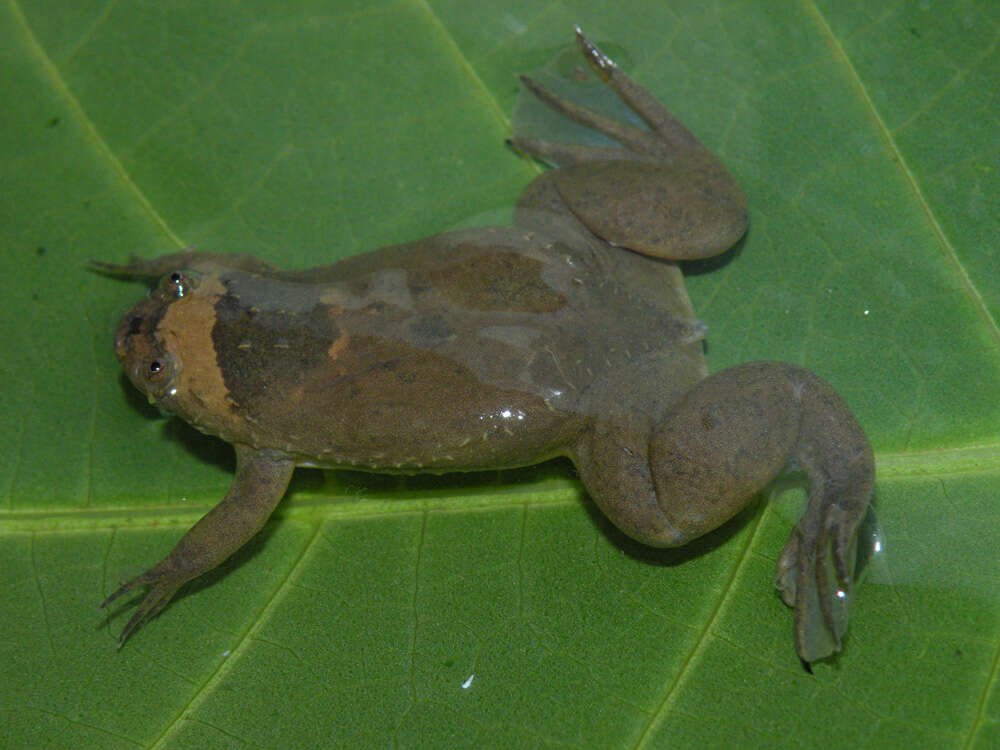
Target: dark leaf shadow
x: 671, y: 556
x: 713, y: 264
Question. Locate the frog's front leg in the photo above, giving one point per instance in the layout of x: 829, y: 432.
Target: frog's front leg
x: 260, y: 483
x: 714, y: 449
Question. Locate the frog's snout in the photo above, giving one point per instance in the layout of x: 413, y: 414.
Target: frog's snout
x: 139, y: 324
x: 138, y: 349
x: 131, y: 325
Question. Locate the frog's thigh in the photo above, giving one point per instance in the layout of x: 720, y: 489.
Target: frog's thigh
x: 722, y: 442
x: 613, y: 460
x: 667, y: 210
x: 667, y: 483
x: 716, y: 447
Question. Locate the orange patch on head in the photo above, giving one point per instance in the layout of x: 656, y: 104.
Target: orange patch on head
x: 339, y: 345
x: 186, y: 331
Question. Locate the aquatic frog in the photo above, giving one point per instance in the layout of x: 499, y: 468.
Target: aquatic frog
x: 567, y: 334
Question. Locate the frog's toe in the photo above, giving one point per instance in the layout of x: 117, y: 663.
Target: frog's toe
x: 151, y: 269
x: 566, y: 154
x: 147, y: 269
x: 815, y: 576
x: 785, y: 577
x: 635, y: 139
x: 600, y: 62
x: 164, y: 586
x: 135, y: 268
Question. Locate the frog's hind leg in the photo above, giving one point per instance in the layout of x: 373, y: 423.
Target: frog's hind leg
x: 636, y: 140
x: 151, y: 269
x: 662, y: 193
x: 665, y: 479
x: 638, y: 98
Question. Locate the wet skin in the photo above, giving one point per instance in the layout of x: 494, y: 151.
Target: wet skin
x: 569, y: 333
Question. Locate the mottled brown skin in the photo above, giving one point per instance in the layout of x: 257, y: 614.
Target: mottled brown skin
x: 506, y: 346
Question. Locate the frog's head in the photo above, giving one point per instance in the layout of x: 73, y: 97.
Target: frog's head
x: 147, y: 360
x: 159, y: 343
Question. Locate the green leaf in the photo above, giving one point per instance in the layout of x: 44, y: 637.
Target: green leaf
x: 494, y: 610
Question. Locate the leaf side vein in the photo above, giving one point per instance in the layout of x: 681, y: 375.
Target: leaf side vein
x: 243, y: 642
x: 659, y: 714
x: 948, y: 250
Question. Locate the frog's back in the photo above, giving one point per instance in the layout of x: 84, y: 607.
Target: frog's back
x: 466, y: 350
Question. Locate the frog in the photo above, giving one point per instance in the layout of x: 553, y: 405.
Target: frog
x: 568, y: 333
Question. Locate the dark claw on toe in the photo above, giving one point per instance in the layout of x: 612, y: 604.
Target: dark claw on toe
x: 595, y: 57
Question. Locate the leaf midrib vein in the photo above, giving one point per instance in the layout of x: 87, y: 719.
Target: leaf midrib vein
x: 913, y: 465
x: 52, y: 72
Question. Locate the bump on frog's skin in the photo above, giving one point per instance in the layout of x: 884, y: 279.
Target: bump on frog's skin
x: 505, y: 346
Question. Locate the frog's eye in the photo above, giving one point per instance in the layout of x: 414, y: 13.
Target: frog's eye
x: 176, y: 283
x: 155, y: 374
